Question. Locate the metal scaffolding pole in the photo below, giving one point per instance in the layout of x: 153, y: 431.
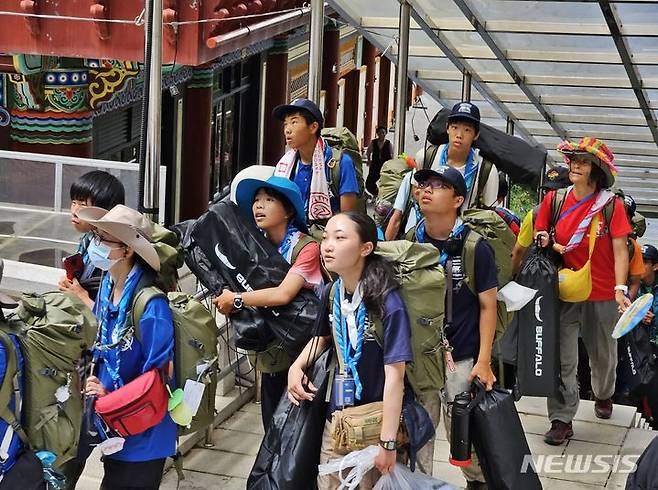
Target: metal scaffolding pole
x: 401, y: 85
x: 466, y: 87
x: 315, y: 51
x: 152, y: 160
x: 509, y: 129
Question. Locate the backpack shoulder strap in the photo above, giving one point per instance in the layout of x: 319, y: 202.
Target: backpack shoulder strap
x: 430, y: 155
x: 608, y: 210
x: 468, y: 258
x: 485, y: 171
x: 140, y: 300
x: 334, y: 169
x: 556, y: 205
x: 299, y: 246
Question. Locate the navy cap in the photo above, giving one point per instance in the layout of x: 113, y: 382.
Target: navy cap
x: 280, y: 112
x: 465, y: 110
x: 649, y: 252
x: 556, y: 178
x: 449, y: 175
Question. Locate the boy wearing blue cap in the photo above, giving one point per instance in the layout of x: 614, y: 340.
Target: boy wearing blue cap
x: 308, y: 162
x: 481, y: 180
x: 470, y: 322
x: 650, y: 285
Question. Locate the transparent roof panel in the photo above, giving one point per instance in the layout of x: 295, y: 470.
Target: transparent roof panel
x: 638, y: 18
x: 585, y: 13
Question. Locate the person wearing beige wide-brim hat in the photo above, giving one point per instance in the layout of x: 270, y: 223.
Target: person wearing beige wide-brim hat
x: 121, y: 246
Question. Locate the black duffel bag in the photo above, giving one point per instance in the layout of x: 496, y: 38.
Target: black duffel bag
x: 500, y: 442
x: 290, y: 451
x: 26, y: 474
x: 246, y: 260
x: 637, y: 360
x: 524, y: 163
x: 538, y: 354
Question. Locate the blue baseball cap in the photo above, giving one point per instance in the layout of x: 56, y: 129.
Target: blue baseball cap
x: 447, y: 174
x: 308, y: 106
x: 650, y: 253
x: 465, y: 110
x: 247, y: 189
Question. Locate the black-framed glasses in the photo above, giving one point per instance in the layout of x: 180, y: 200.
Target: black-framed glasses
x: 434, y: 184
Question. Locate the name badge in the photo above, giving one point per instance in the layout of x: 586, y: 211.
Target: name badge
x: 344, y: 390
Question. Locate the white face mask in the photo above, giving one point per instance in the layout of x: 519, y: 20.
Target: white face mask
x: 99, y: 256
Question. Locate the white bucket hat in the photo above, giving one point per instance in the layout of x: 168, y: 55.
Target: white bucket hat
x: 128, y: 226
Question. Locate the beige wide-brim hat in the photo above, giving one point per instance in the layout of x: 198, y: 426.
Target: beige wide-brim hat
x: 126, y: 225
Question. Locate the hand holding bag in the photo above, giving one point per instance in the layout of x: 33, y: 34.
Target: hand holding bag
x: 136, y: 406
x: 576, y: 286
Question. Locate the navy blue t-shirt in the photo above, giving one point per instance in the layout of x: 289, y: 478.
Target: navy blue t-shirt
x: 464, y: 332
x: 397, y: 348
x: 347, y: 184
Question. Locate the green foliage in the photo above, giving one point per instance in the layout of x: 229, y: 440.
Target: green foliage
x: 522, y: 199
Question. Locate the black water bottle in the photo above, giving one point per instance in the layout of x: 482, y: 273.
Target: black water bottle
x: 460, y: 436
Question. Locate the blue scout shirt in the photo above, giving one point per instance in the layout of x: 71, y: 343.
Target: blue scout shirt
x: 397, y: 348
x: 348, y: 183
x: 154, y: 351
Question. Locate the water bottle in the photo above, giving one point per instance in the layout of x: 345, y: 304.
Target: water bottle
x: 460, y: 436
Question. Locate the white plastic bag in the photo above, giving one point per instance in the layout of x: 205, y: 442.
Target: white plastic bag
x: 515, y: 295
x: 402, y: 478
x: 361, y: 463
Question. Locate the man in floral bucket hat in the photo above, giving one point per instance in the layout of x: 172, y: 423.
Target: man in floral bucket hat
x: 588, y: 226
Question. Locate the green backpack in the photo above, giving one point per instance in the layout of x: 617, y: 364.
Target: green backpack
x: 170, y: 253
x: 341, y: 140
x: 392, y: 174
x: 422, y: 289
x: 54, y: 331
x: 195, y: 347
x: 486, y: 224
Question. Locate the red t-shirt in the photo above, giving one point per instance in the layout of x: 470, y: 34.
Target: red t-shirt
x: 603, y: 260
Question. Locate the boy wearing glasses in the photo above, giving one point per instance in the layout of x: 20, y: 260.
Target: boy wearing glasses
x: 470, y: 318
x: 103, y: 190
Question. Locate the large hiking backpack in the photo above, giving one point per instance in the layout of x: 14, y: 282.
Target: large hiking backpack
x: 54, y: 331
x: 195, y: 347
x: 170, y: 253
x: 390, y: 178
x: 422, y: 282
x: 341, y: 140
x: 488, y: 225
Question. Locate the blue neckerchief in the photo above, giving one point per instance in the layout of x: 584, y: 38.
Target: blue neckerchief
x: 457, y: 230
x: 340, y: 330
x: 577, y: 204
x: 470, y: 171
x: 106, y: 342
x: 289, y: 241
x: 82, y: 247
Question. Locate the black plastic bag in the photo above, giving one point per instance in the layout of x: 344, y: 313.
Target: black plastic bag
x: 500, y: 442
x: 290, y: 451
x: 538, y: 355
x: 522, y: 162
x: 245, y: 260
x: 637, y: 360
x: 26, y: 474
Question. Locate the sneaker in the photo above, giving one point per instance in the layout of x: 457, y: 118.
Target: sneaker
x: 558, y: 433
x: 476, y: 485
x: 603, y: 408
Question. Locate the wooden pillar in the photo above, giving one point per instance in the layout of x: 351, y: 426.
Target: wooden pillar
x: 369, y: 55
x: 330, y: 72
x: 196, y: 159
x: 276, y: 94
x: 384, y: 89
x: 351, y: 100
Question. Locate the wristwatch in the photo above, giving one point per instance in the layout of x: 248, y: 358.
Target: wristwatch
x: 388, y: 445
x: 237, y: 302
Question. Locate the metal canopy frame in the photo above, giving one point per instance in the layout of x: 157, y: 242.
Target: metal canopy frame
x: 559, y: 69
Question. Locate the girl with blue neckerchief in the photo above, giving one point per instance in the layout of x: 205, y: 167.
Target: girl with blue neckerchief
x: 121, y: 247
x: 366, y: 287
x: 276, y: 206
